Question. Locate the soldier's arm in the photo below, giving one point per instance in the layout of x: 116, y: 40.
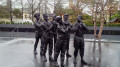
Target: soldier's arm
x: 84, y: 27
x: 37, y: 24
x: 74, y: 28
x: 62, y: 30
x: 70, y: 25
x: 54, y: 27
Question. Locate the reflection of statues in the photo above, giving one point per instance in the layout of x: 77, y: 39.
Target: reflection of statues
x: 60, y: 47
x: 67, y: 24
x: 47, y: 38
x: 79, y: 29
x: 38, y: 29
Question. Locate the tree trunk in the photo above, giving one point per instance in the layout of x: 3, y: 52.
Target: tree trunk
x: 10, y: 11
x: 101, y: 29
x: 22, y: 12
x: 40, y: 11
x: 32, y: 10
x: 11, y: 20
x: 32, y: 16
x: 95, y: 29
x: 95, y: 24
x: 110, y: 14
x: 95, y: 21
x: 102, y: 21
x: 22, y: 7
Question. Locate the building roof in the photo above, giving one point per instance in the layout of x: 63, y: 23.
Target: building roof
x: 113, y: 20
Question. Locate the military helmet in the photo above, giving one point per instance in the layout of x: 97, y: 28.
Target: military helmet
x: 80, y: 16
x: 58, y: 18
x: 36, y: 15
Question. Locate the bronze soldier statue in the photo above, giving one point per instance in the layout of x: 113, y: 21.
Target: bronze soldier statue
x: 47, y: 38
x: 38, y: 31
x: 67, y: 24
x: 60, y: 47
x: 79, y: 28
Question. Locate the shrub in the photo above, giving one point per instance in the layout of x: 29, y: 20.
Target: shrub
x: 86, y: 17
x: 88, y: 22
x: 113, y: 24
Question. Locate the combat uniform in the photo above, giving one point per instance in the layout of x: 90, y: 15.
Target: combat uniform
x: 62, y: 32
x: 38, y: 34
x: 79, y: 29
x: 47, y: 38
x: 68, y: 24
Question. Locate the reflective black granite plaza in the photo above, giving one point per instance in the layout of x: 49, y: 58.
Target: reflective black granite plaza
x: 18, y: 52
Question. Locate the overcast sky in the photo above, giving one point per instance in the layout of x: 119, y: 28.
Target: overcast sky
x: 66, y: 4
x: 25, y: 1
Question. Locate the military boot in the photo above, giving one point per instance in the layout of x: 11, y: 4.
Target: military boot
x: 67, y: 54
x: 44, y: 59
x: 75, y: 61
x: 50, y: 58
x: 56, y: 64
x: 62, y: 62
x: 35, y: 52
x: 83, y: 62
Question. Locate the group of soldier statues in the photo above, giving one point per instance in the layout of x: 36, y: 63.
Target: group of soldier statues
x: 59, y: 30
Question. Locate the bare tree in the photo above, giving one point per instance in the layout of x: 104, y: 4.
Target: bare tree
x: 112, y: 7
x: 9, y: 9
x: 100, y: 10
x: 22, y: 6
x: 56, y: 5
x: 102, y: 19
x: 39, y: 7
x: 96, y: 16
x: 34, y: 5
x: 79, y: 5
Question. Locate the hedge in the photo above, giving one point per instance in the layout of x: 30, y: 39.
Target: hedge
x: 87, y: 22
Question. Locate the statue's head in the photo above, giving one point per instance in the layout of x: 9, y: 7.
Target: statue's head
x: 79, y: 18
x: 45, y: 16
x: 54, y: 17
x: 66, y: 17
x: 59, y: 19
x: 37, y: 16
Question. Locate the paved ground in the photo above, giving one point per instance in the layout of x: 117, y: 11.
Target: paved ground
x: 18, y: 52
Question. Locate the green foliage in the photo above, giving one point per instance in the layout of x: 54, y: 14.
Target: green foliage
x: 116, y: 15
x: 72, y: 19
x: 88, y: 22
x: 59, y: 9
x: 6, y: 22
x: 3, y: 12
x: 68, y: 11
x: 17, y: 13
x: 86, y: 17
x: 27, y: 23
x: 113, y: 24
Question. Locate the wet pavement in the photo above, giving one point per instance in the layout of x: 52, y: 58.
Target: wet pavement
x: 18, y: 52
